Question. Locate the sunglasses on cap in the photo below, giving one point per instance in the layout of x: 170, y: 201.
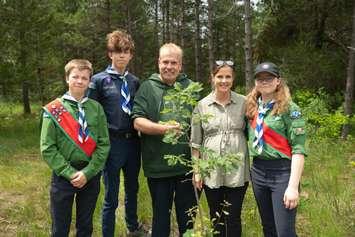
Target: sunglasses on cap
x: 224, y: 62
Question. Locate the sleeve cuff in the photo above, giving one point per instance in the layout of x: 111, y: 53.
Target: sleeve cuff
x: 195, y: 145
x: 88, y: 173
x: 69, y: 173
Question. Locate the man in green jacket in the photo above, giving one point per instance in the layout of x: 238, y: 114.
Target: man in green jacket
x: 75, y: 144
x: 166, y: 183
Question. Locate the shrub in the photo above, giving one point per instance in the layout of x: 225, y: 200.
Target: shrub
x: 322, y: 121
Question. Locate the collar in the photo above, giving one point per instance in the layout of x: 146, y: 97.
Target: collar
x: 111, y: 70
x: 264, y: 105
x: 67, y: 96
x: 211, y: 98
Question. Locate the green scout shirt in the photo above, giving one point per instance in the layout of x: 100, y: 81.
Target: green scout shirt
x: 60, y: 153
x: 148, y: 103
x: 290, y: 125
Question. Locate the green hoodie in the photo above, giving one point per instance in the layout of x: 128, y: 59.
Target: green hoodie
x: 148, y: 103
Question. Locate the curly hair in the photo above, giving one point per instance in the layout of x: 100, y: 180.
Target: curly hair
x: 118, y: 41
x: 282, y: 99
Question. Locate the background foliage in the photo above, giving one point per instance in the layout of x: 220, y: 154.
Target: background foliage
x: 308, y: 39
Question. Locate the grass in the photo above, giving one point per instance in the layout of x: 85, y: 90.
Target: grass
x: 326, y: 208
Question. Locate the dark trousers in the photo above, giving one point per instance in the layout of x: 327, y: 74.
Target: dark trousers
x: 163, y: 192
x: 62, y: 196
x: 270, y: 180
x: 124, y: 155
x: 226, y: 200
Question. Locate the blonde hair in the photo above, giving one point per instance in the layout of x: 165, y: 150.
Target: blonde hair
x: 118, y: 41
x: 81, y: 64
x: 171, y: 48
x: 282, y: 99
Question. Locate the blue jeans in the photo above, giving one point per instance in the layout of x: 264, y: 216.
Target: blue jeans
x: 163, y: 192
x: 270, y: 180
x: 124, y: 155
x: 62, y: 194
x: 227, y: 225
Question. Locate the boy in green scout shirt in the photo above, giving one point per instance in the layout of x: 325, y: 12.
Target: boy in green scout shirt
x: 74, y: 142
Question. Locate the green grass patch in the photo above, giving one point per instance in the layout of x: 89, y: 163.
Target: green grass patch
x: 326, y: 207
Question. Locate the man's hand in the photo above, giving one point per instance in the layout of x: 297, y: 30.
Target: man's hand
x: 78, y: 180
x: 172, y: 126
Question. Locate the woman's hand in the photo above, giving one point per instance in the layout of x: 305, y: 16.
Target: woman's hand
x: 291, y: 198
x: 197, y: 181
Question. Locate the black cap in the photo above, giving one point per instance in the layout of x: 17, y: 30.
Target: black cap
x: 267, y: 67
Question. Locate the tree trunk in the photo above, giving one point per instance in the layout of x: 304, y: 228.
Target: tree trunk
x: 349, y: 81
x: 180, y: 32
x: 133, y: 64
x: 108, y: 15
x: 167, y: 17
x: 247, y: 48
x: 181, y: 23
x: 25, y: 97
x: 23, y: 65
x: 210, y: 36
x: 40, y: 85
x: 163, y: 10
x: 197, y: 40
x: 156, y: 24
x: 4, y: 90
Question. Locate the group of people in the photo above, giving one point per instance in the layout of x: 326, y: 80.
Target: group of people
x: 111, y: 122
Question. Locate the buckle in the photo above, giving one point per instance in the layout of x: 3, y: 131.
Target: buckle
x: 128, y: 135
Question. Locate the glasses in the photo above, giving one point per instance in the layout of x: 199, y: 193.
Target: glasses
x: 265, y: 79
x: 225, y: 62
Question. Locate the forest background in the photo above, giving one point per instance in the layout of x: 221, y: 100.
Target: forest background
x: 311, y: 40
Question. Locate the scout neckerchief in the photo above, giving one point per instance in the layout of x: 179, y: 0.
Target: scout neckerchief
x: 125, y: 103
x: 83, y: 133
x: 76, y: 130
x: 273, y: 139
x: 258, y: 142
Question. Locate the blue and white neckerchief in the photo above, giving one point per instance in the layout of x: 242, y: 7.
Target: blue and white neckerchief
x: 125, y: 103
x: 258, y: 142
x: 83, y: 133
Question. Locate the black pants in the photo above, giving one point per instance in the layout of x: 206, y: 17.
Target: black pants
x: 226, y: 200
x: 124, y: 155
x: 62, y: 196
x: 270, y: 180
x: 163, y: 192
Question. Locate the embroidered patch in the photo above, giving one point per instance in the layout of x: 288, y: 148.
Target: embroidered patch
x: 295, y: 114
x: 299, y: 131
x: 108, y: 80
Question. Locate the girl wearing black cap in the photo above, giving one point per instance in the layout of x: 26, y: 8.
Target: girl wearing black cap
x: 276, y: 132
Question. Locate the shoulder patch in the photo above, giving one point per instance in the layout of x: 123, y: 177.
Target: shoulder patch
x: 295, y: 114
x: 299, y: 131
